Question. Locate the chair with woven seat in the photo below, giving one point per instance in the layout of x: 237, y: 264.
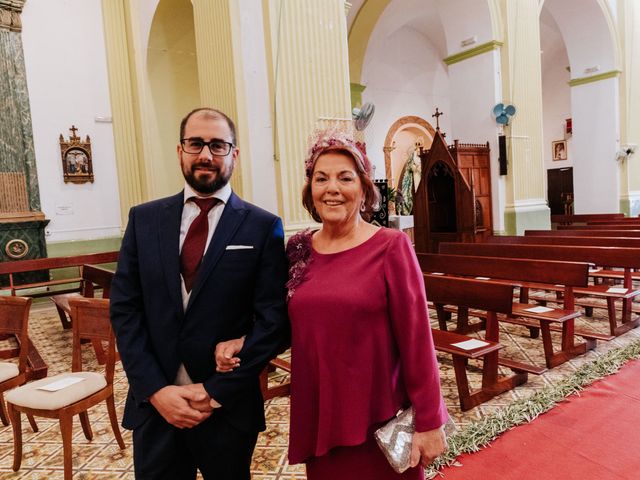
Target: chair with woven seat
x: 14, y: 320
x: 90, y: 320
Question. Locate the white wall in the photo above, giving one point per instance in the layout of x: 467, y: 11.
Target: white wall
x: 67, y: 79
x: 404, y: 75
x: 475, y: 90
x: 556, y: 102
x: 556, y: 92
x: 595, y: 141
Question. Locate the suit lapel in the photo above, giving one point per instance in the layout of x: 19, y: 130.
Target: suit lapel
x: 233, y: 215
x: 169, y: 236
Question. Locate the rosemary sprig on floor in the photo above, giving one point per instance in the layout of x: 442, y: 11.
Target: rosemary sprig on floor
x: 480, y: 433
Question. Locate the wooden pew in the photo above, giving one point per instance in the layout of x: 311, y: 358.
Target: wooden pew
x: 574, y: 241
x: 565, y: 240
x: 583, y: 233
x: 519, y: 273
x: 584, y: 217
x: 50, y: 287
x: 488, y: 296
x: 616, y: 226
x: 625, y: 220
x: 626, y: 258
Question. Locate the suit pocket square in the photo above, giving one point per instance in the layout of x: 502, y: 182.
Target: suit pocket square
x: 239, y: 247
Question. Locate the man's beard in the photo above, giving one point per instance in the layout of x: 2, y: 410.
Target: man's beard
x: 205, y: 186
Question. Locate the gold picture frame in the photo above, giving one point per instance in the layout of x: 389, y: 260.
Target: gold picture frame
x: 559, y: 150
x: 77, y: 164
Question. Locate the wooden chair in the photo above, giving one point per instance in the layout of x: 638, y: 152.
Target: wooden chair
x: 14, y: 320
x: 92, y: 276
x: 90, y: 319
x: 282, y: 390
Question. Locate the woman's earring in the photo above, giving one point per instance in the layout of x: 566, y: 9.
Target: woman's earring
x: 362, y: 207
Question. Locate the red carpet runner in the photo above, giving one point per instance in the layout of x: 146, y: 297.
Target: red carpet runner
x: 594, y: 436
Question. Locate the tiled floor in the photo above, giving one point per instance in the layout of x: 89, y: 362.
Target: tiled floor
x: 102, y: 459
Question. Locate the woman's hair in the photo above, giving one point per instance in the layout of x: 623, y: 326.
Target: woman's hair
x: 340, y: 141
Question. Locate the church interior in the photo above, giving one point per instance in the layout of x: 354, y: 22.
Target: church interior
x: 487, y: 122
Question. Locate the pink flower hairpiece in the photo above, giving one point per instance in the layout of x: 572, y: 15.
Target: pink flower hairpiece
x: 336, y: 138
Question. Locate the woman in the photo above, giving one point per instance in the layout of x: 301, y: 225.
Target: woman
x: 361, y: 340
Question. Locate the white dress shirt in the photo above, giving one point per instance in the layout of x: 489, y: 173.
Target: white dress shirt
x: 189, y: 214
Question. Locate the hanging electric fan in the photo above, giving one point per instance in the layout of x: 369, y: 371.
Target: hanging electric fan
x: 362, y: 116
x: 503, y: 113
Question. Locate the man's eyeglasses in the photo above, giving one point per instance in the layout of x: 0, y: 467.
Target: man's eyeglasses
x: 216, y: 147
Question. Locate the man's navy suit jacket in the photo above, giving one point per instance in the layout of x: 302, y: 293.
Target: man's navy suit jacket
x: 238, y: 291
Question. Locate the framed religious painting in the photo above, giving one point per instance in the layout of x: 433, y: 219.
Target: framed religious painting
x: 559, y: 150
x: 77, y: 164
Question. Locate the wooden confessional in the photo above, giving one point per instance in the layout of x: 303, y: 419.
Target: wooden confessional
x: 453, y: 200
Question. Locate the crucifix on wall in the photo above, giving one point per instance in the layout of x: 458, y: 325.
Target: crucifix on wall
x: 77, y: 165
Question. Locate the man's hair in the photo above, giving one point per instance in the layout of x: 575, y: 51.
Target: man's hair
x: 209, y: 113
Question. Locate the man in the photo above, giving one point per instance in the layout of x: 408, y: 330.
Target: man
x: 193, y: 272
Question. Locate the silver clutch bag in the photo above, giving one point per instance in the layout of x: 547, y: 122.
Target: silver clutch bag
x: 394, y: 439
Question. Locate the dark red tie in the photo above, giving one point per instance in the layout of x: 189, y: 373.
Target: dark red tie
x: 194, y: 242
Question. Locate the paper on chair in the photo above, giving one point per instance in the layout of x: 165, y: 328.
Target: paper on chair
x: 594, y: 270
x: 470, y: 344
x: 617, y: 290
x: 60, y: 384
x: 483, y: 278
x: 539, y: 309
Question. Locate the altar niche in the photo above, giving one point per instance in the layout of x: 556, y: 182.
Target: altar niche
x: 453, y: 200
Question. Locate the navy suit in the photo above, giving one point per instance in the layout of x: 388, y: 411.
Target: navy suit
x: 238, y: 291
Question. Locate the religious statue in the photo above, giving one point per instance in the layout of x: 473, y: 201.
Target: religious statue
x: 409, y: 181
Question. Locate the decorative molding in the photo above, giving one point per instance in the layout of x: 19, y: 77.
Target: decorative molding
x: 528, y: 205
x: 10, y: 15
x: 16, y: 5
x: 594, y: 78
x: 356, y: 94
x: 473, y: 52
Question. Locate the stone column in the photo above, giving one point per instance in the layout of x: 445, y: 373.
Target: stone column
x: 20, y: 197
x: 220, y: 73
x: 126, y: 129
x: 629, y: 15
x: 21, y: 221
x: 526, y: 207
x: 309, y: 64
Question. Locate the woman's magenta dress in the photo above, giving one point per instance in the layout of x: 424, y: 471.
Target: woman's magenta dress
x: 361, y: 350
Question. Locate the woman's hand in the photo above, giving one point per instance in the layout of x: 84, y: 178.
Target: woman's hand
x: 426, y: 446
x: 226, y: 361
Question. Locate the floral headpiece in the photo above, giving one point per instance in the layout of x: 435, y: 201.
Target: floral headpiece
x: 336, y: 138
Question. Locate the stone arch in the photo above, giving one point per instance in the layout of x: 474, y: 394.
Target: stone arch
x: 410, y: 122
x: 599, y: 45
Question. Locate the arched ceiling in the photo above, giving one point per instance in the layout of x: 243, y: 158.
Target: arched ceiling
x: 440, y: 21
x: 587, y: 29
x: 552, y: 48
